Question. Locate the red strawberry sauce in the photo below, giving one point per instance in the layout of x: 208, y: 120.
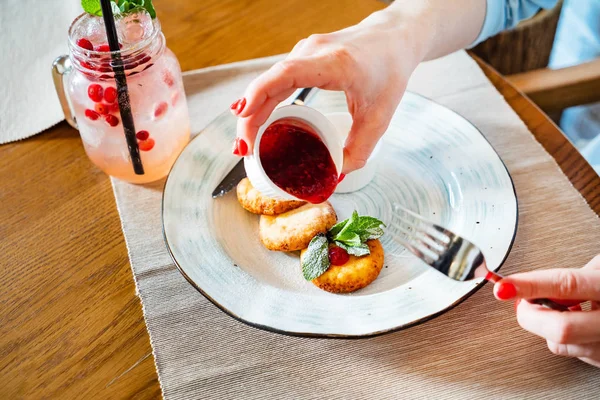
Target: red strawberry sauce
x: 338, y: 256
x: 297, y: 161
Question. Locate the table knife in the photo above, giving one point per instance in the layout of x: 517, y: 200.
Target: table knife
x: 238, y: 172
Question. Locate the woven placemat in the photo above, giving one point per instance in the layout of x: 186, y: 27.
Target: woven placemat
x: 476, y: 350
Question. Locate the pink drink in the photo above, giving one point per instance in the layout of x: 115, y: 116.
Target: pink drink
x: 156, y: 94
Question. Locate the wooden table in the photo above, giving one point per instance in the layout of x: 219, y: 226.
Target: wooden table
x: 71, y: 325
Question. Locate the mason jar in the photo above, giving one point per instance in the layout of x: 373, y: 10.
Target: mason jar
x: 152, y: 103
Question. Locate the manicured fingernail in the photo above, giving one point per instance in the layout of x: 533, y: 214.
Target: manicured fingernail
x: 242, y: 147
x: 234, y: 106
x: 493, y: 277
x: 341, y: 178
x: 576, y: 308
x: 236, y: 150
x: 240, y: 106
x: 506, y: 291
x: 517, y: 304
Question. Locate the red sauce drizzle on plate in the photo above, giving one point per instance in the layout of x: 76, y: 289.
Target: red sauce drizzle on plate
x: 297, y: 161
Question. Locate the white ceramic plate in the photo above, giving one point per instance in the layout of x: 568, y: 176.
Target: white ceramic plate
x: 434, y: 162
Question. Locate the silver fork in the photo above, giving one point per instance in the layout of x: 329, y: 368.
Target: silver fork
x: 445, y: 251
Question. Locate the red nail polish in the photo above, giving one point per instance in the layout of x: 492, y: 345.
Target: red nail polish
x: 234, y: 105
x: 517, y: 304
x: 493, y: 277
x: 341, y: 178
x: 236, y: 150
x: 506, y: 291
x: 242, y: 147
x: 240, y: 106
x: 576, y: 308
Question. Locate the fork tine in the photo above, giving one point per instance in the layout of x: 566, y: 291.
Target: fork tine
x: 432, y: 229
x: 428, y: 232
x: 417, y: 243
x: 417, y: 237
x: 421, y: 238
x: 414, y: 250
x: 431, y: 242
x: 399, y: 207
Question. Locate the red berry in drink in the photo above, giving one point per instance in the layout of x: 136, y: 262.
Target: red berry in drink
x: 338, y: 256
x: 101, y: 108
x: 130, y: 64
x: 160, y: 109
x: 102, y: 48
x: 86, y: 65
x: 114, y: 107
x: 168, y: 78
x: 110, y: 94
x: 142, y: 135
x: 146, y: 145
x: 91, y: 114
x: 95, y: 92
x: 85, y: 44
x: 111, y: 120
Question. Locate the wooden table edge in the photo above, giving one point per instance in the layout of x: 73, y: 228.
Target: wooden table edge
x: 579, y: 172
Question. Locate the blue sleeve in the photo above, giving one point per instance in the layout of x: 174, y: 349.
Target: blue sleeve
x: 505, y: 14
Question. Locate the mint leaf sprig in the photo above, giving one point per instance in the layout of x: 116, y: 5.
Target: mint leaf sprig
x: 119, y: 7
x: 350, y: 234
x: 316, y: 258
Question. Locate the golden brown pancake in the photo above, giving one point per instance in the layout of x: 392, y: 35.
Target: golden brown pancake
x: 252, y: 200
x: 293, y: 230
x: 356, y: 274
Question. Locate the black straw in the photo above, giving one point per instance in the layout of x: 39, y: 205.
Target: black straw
x: 123, y: 92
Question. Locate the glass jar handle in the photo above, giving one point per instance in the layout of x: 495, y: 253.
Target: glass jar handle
x: 60, y: 68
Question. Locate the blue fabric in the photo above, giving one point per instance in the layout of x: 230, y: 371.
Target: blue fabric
x: 578, y: 40
x: 505, y: 14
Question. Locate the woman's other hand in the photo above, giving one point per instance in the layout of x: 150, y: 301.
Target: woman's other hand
x: 574, y: 333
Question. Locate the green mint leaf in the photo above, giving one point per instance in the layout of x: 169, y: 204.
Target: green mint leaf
x: 316, y: 258
x: 369, y: 228
x: 353, y: 233
x: 139, y: 5
x: 147, y: 4
x: 119, y: 7
x: 337, y: 228
x: 347, y: 228
x: 358, y: 251
x: 92, y: 7
x: 349, y: 238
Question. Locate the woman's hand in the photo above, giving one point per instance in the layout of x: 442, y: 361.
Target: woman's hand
x: 572, y: 334
x: 371, y: 62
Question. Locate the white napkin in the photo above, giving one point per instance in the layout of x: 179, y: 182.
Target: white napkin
x: 33, y: 34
